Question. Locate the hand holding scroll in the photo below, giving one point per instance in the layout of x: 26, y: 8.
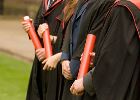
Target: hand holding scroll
x: 77, y: 87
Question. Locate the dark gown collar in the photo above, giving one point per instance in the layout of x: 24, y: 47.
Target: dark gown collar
x: 52, y: 7
x: 60, y: 18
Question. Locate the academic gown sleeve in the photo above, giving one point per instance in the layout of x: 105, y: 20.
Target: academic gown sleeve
x: 39, y: 19
x: 118, y: 58
x: 88, y: 79
x: 66, y: 44
x: 95, y: 24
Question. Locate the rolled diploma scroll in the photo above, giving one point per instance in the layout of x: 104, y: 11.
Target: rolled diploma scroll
x: 32, y: 34
x: 47, y: 42
x: 86, y: 58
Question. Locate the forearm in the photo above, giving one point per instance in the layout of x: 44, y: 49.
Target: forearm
x: 58, y: 55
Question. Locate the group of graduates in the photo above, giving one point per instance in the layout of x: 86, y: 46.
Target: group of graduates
x: 114, y: 73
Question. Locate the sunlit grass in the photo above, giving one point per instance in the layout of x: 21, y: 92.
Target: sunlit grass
x: 14, y: 76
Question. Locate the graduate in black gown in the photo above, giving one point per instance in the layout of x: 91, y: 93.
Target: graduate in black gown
x: 52, y: 72
x: 35, y: 90
x: 52, y: 63
x: 117, y: 61
x: 88, y: 18
x: 41, y: 85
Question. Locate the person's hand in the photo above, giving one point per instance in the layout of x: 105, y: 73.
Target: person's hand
x: 66, y: 69
x: 53, y: 39
x: 51, y: 62
x: 92, y: 58
x: 92, y: 55
x: 42, y: 28
x: 40, y: 54
x: 77, y: 87
x: 26, y: 25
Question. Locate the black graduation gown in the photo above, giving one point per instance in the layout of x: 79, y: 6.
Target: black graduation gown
x: 35, y: 91
x: 117, y: 63
x: 58, y: 45
x: 91, y: 23
x: 53, y: 78
x: 42, y: 85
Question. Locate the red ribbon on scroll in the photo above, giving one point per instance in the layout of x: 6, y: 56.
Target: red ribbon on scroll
x: 47, y: 42
x: 86, y: 58
x: 32, y: 34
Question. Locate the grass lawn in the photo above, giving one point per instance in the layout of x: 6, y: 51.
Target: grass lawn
x: 14, y: 76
